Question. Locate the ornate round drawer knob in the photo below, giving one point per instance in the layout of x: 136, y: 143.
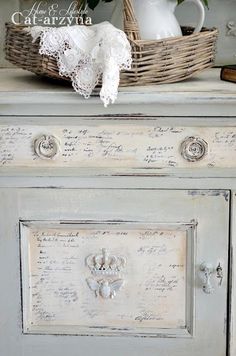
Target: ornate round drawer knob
x: 194, y: 149
x: 47, y: 147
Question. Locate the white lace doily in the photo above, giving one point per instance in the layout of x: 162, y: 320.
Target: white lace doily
x: 86, y: 54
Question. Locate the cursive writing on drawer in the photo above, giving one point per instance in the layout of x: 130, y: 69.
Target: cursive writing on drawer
x: 117, y: 145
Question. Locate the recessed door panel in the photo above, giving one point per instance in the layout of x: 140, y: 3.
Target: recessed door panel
x: 108, y: 278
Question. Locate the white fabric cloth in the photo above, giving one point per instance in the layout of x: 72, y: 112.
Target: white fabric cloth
x: 86, y: 54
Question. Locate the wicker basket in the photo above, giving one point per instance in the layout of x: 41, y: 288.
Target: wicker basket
x: 154, y: 62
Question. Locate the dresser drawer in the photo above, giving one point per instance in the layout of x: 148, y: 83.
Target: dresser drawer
x: 117, y: 144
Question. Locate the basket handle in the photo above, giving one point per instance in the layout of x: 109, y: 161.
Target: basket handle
x: 130, y: 22
x: 131, y: 27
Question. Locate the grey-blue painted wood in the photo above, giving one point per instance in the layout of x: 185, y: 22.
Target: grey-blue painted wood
x: 55, y: 196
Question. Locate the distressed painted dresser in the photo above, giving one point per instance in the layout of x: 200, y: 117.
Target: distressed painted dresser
x: 117, y: 225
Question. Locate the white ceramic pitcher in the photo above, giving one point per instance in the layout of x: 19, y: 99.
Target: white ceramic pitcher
x: 156, y: 18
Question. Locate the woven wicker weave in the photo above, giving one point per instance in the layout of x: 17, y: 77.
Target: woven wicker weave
x: 154, y: 62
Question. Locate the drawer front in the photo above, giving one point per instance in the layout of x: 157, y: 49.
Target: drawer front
x: 117, y: 144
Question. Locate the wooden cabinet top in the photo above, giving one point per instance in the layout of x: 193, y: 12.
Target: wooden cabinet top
x: 23, y: 93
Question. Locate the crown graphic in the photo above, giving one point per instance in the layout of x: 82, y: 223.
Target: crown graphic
x: 105, y: 264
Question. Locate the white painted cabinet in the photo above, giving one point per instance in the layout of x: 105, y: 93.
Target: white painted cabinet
x: 117, y: 226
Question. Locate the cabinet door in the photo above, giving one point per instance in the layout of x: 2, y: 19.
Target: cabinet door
x: 113, y: 271
x: 232, y: 331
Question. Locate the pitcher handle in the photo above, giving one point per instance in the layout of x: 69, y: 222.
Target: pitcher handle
x: 202, y: 14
